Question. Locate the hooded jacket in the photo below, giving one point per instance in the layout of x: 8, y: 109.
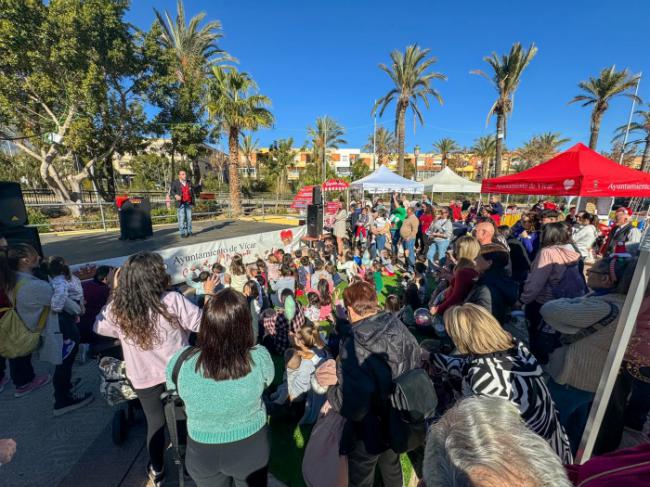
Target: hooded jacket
x: 547, y: 271
x: 496, y: 292
x: 373, y: 352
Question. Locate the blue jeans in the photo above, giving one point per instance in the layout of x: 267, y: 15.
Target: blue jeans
x: 380, y: 244
x: 409, y: 248
x: 573, y: 407
x: 437, y: 251
x: 394, y: 241
x: 184, y: 213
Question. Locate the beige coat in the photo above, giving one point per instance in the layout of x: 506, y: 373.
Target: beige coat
x: 409, y: 229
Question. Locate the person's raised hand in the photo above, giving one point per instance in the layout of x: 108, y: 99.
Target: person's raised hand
x: 7, y: 450
x: 210, y: 284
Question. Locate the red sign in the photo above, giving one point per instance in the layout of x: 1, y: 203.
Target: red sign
x: 335, y: 185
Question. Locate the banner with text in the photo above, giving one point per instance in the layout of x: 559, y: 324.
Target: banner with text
x: 180, y: 260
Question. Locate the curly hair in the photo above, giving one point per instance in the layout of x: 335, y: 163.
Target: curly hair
x: 137, y: 300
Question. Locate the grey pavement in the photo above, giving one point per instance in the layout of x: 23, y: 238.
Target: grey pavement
x: 78, y: 248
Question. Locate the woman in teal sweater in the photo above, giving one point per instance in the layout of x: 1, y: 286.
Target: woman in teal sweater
x: 221, y: 384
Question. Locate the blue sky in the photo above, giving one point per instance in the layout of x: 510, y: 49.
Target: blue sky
x: 320, y: 57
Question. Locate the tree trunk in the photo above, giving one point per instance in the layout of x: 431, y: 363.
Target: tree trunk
x: 645, y: 160
x: 401, y: 115
x: 196, y: 171
x: 499, y: 145
x: 233, y: 172
x: 595, y: 129
x: 257, y: 169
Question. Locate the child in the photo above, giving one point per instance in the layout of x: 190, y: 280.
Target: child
x: 386, y: 259
x: 320, y: 273
x: 349, y: 266
x: 196, y: 282
x: 286, y: 281
x: 312, y: 313
x: 67, y: 298
x: 253, y: 296
x: 238, y: 277
x: 263, y: 273
x: 358, y: 255
x: 392, y: 304
x: 460, y: 285
x: 273, y: 268
x: 362, y: 225
x: 377, y: 275
x: 304, y: 270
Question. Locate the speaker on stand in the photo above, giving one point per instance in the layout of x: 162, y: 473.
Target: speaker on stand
x: 314, y: 220
x: 317, y: 195
x: 13, y: 217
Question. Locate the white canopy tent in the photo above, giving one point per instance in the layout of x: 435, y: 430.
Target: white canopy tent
x: 383, y: 180
x: 447, y: 181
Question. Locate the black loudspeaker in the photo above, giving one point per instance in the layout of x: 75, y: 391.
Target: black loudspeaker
x: 317, y: 195
x: 135, y: 219
x: 12, y: 206
x: 28, y: 235
x: 314, y: 220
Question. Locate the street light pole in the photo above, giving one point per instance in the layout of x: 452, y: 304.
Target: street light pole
x: 374, y: 142
x: 416, y: 153
x: 629, y: 120
x: 325, y: 150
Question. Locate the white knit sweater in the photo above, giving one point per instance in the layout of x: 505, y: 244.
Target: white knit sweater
x: 580, y: 364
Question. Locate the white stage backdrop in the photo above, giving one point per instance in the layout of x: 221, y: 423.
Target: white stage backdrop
x: 180, y: 260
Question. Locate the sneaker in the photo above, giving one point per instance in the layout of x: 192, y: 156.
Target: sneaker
x: 68, y: 347
x: 74, y: 401
x: 4, y: 382
x: 156, y: 478
x: 37, y: 383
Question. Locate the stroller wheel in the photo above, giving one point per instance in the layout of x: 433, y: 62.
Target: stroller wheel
x: 119, y: 427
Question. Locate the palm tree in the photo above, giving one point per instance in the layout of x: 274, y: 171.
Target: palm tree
x: 445, y: 147
x: 485, y: 149
x: 540, y: 148
x: 280, y: 159
x: 507, y: 75
x: 641, y: 126
x: 325, y: 134
x: 600, y: 91
x: 235, y: 105
x: 408, y: 72
x: 249, y: 147
x: 383, y: 144
x: 194, y: 50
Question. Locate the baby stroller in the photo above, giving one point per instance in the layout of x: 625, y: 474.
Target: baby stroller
x: 118, y: 392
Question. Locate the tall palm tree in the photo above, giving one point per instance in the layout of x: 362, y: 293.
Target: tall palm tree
x: 325, y: 134
x: 409, y: 73
x: 235, y: 105
x: 194, y: 50
x: 506, y: 77
x: 600, y: 91
x: 641, y: 126
x: 280, y: 160
x: 445, y: 147
x: 249, y: 147
x: 383, y: 143
x: 485, y: 149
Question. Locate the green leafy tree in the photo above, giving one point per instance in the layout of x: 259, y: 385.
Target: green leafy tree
x: 325, y: 134
x: 235, y: 105
x: 412, y: 83
x: 149, y: 171
x: 540, y: 148
x: 485, y: 149
x: 384, y: 144
x: 281, y: 156
x: 639, y: 126
x: 180, y: 54
x: 506, y: 77
x: 600, y: 91
x: 359, y: 169
x: 445, y: 147
x: 69, y: 72
x: 249, y: 147
x: 21, y: 167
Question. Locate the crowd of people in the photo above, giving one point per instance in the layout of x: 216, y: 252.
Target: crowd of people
x: 511, y: 324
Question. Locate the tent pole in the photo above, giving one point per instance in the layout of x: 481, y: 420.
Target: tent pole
x: 624, y: 329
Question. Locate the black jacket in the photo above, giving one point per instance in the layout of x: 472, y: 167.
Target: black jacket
x: 496, y: 292
x: 176, y: 189
x: 372, y: 353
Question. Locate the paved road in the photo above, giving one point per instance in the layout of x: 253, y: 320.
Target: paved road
x: 79, y: 248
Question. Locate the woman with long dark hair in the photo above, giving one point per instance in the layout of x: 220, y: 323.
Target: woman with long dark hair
x: 32, y: 298
x: 152, y: 324
x: 221, y: 383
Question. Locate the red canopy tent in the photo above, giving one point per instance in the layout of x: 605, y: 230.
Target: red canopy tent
x: 578, y: 171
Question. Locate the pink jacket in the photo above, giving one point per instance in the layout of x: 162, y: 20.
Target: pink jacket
x: 146, y: 368
x: 546, y: 271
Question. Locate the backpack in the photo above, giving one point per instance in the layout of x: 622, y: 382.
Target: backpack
x: 413, y: 403
x: 175, y: 416
x: 572, y: 283
x: 115, y: 387
x: 17, y: 339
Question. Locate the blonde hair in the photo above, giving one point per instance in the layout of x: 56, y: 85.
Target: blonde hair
x: 464, y: 263
x: 309, y: 336
x: 467, y: 247
x: 475, y: 331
